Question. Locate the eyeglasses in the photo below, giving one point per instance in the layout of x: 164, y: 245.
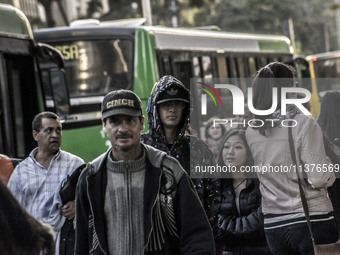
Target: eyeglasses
x: 172, y: 104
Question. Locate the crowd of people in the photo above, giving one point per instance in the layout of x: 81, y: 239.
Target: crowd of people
x: 142, y: 197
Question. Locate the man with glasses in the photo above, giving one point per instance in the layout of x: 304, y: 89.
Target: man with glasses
x: 168, y: 118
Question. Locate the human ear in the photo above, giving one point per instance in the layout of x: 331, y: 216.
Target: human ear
x: 35, y: 135
x: 104, y: 125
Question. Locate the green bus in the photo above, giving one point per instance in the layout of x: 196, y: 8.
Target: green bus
x: 104, y: 56
x: 21, y: 79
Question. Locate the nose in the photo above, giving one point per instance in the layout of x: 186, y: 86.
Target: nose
x: 56, y: 133
x: 123, y: 127
x: 172, y: 108
x: 231, y: 150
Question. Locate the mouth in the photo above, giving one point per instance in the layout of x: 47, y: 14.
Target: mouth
x: 172, y: 117
x: 125, y: 137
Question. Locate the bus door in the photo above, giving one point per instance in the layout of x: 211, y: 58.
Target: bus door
x: 20, y: 98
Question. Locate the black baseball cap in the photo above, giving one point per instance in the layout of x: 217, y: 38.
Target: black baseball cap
x: 121, y: 101
x: 173, y: 93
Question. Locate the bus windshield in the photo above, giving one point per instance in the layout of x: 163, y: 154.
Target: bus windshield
x: 95, y: 67
x: 326, y: 70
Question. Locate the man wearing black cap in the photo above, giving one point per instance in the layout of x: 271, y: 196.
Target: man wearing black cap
x: 135, y: 199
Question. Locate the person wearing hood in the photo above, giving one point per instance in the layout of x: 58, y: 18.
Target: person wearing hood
x: 168, y: 117
x: 285, y: 222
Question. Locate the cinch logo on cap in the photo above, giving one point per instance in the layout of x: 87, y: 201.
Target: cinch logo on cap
x: 120, y: 102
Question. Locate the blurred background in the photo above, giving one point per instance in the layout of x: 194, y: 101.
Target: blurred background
x: 312, y: 25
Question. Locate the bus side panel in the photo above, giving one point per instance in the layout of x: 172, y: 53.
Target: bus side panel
x: 274, y: 46
x: 87, y: 142
x: 145, y: 65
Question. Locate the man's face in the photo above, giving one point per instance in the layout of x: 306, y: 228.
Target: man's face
x: 171, y: 113
x: 49, y: 136
x: 123, y: 131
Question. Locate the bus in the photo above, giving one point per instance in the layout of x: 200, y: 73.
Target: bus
x: 325, y: 76
x: 104, y: 56
x: 21, y: 79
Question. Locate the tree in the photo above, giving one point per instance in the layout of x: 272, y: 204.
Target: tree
x: 95, y: 6
x: 47, y: 4
x: 312, y: 19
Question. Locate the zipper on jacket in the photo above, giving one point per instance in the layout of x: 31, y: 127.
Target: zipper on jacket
x: 88, y: 197
x: 154, y: 203
x: 128, y: 188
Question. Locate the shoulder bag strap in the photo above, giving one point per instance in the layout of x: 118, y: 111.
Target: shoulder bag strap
x: 302, y: 193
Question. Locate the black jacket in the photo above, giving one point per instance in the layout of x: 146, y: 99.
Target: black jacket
x: 168, y: 187
x: 241, y: 233
x: 189, y: 150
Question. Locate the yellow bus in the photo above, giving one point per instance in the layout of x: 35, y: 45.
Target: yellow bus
x: 325, y: 76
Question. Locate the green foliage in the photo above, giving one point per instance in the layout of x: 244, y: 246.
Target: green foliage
x: 312, y: 20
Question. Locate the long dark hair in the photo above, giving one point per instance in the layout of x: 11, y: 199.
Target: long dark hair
x: 275, y: 74
x: 329, y: 119
x: 22, y: 234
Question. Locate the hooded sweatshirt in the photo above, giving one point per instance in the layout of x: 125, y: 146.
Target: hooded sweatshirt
x: 189, y: 150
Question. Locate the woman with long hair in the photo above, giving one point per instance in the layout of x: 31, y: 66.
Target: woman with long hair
x: 285, y: 222
x: 21, y: 234
x: 240, y: 221
x: 213, y: 134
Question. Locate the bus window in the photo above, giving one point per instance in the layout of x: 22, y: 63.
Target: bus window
x: 275, y: 59
x: 183, y: 72
x: 241, y: 68
x: 20, y: 74
x: 229, y: 67
x: 207, y: 68
x: 252, y: 67
x: 165, y: 65
x: 263, y: 62
x: 95, y: 67
x: 233, y: 67
x: 197, y: 67
x: 329, y: 68
x: 221, y: 67
x: 327, y: 74
x: 60, y: 93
